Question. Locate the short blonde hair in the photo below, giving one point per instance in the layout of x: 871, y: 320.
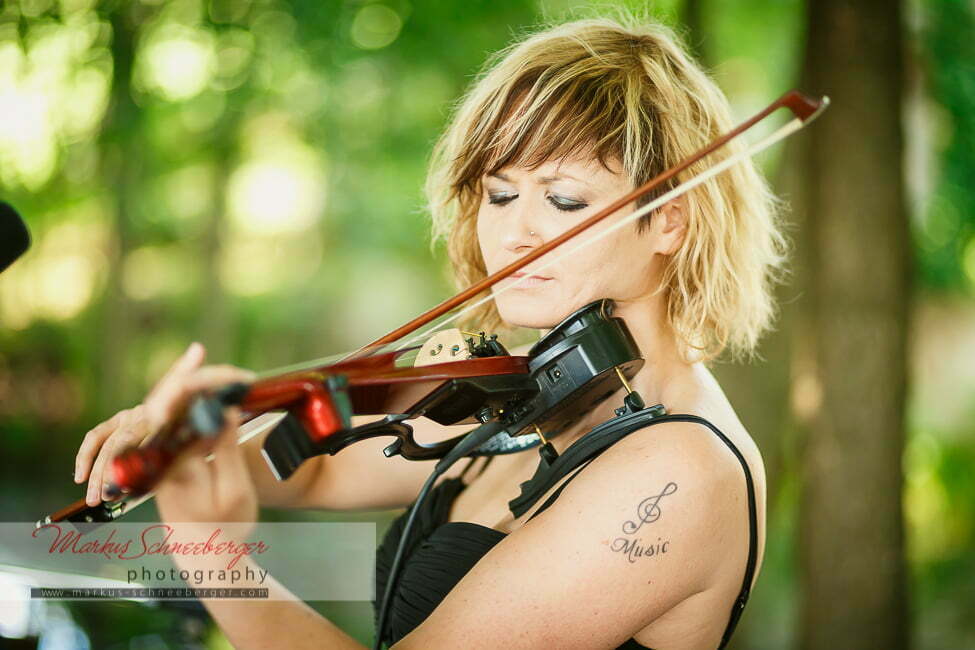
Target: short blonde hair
x: 630, y: 94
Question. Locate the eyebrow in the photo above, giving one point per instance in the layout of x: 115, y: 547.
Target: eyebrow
x: 544, y: 180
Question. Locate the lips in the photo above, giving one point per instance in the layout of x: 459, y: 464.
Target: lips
x: 523, y: 281
x: 521, y: 274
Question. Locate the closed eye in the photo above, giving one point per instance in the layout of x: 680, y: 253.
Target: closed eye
x: 501, y: 198
x: 565, y: 204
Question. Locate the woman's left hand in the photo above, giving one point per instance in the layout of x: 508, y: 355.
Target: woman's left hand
x: 194, y: 490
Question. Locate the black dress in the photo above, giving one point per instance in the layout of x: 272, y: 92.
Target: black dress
x: 441, y: 552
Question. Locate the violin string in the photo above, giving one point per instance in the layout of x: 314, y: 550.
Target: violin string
x: 303, y: 365
x: 258, y: 425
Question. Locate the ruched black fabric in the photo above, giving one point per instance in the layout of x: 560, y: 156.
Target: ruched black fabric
x: 440, y: 553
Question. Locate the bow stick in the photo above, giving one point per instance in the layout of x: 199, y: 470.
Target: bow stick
x: 804, y: 110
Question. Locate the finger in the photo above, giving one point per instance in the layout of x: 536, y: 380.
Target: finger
x: 170, y: 398
x: 164, y: 398
x: 94, y: 489
x: 191, y: 359
x: 128, y: 436
x: 217, y: 376
x: 90, y: 445
x: 100, y: 474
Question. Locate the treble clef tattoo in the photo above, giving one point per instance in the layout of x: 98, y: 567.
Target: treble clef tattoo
x: 648, y: 511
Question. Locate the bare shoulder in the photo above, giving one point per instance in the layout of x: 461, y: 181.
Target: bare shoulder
x: 645, y: 468
x: 691, y: 444
x: 694, y: 443
x: 671, y: 488
x: 688, y: 450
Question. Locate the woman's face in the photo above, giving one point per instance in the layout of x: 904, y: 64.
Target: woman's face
x: 523, y: 208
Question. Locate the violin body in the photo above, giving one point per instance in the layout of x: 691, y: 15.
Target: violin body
x: 573, y: 368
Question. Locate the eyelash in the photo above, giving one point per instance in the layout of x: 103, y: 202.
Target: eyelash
x: 504, y: 199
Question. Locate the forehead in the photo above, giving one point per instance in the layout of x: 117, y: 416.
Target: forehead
x: 586, y: 168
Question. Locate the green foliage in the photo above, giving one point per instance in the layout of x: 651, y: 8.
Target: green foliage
x: 946, y: 240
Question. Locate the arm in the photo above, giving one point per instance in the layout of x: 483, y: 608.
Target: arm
x: 282, y: 621
x: 359, y: 477
x: 644, y: 527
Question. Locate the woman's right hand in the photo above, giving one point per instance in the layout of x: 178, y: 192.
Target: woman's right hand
x: 123, y: 430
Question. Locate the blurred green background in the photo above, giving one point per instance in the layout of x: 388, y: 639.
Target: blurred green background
x: 248, y: 173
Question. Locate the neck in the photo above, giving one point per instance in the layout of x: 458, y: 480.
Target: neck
x: 664, y: 377
x: 664, y: 373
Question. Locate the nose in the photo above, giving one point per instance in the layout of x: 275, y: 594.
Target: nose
x: 520, y: 234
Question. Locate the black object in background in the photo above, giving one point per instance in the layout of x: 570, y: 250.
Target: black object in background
x: 14, y: 238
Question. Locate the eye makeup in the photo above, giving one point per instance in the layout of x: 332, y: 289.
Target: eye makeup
x: 501, y: 198
x: 566, y: 204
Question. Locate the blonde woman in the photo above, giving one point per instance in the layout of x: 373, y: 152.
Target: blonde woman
x: 558, y: 126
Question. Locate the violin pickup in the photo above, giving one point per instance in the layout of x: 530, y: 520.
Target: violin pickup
x: 287, y: 447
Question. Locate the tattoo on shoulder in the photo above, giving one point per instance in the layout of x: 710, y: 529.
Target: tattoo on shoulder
x: 648, y: 511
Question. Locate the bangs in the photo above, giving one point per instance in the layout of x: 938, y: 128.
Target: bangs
x: 556, y: 114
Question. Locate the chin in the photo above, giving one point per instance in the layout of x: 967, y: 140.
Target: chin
x: 532, y: 311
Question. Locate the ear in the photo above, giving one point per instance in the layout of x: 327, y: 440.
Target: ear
x: 668, y: 226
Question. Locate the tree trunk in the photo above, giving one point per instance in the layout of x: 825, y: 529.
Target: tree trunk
x: 216, y: 324
x: 120, y: 166
x: 851, y: 526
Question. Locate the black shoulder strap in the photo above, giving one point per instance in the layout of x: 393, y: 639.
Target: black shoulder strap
x: 585, y: 448
x: 606, y: 435
x: 473, y: 460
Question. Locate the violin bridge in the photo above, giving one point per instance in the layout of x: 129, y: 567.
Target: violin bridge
x: 443, y: 347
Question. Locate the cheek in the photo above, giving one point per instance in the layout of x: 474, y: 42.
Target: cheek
x: 617, y: 268
x: 483, y: 237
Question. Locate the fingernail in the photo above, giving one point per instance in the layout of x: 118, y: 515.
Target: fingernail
x: 77, y: 475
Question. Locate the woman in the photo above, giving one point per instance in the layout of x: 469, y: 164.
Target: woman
x: 558, y: 126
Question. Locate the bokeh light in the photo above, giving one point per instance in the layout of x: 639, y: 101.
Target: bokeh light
x: 280, y: 186
x: 968, y: 261
x: 188, y: 192
x: 59, y: 278
x: 177, y: 62
x: 155, y: 271
x: 375, y: 26
x: 252, y: 266
x: 276, y: 196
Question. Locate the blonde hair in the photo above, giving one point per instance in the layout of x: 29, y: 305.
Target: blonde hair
x: 630, y: 94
